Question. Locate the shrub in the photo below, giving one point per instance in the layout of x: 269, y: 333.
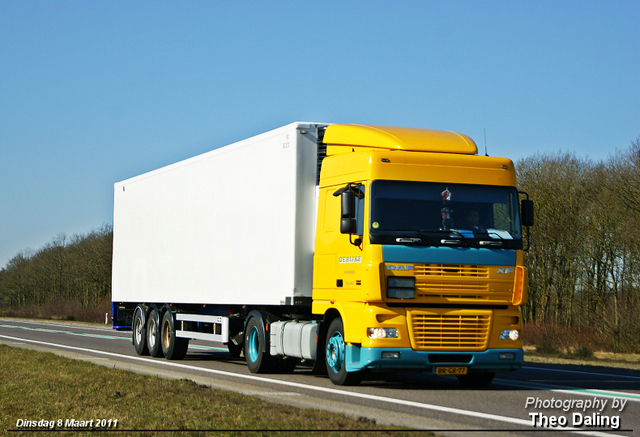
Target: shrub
x: 546, y: 347
x: 583, y: 351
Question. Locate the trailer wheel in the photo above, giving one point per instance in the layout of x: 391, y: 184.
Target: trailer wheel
x: 153, y: 334
x: 476, y: 380
x: 173, y: 348
x: 335, y: 356
x: 140, y: 333
x: 258, y: 361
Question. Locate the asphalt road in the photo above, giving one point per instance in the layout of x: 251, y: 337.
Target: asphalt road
x: 584, y: 396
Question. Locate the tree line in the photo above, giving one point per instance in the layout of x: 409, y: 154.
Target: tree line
x: 585, y: 246
x: 67, y: 274
x: 584, y: 273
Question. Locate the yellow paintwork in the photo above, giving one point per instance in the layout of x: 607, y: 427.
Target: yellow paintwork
x: 396, y: 138
x: 352, y: 317
x: 415, y: 166
x: 511, y: 318
x: 362, y: 154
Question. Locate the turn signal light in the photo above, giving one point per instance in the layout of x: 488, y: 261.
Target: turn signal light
x: 520, y: 286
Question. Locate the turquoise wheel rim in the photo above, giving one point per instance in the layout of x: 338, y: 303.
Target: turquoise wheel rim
x: 335, y: 352
x: 254, y: 341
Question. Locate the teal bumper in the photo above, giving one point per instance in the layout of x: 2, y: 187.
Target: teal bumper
x: 492, y: 360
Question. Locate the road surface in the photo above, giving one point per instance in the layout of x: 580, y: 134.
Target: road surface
x: 584, y: 396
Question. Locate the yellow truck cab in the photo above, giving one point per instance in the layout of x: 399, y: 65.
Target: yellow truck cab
x: 418, y: 254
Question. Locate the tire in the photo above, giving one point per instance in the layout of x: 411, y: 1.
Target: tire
x: 319, y: 365
x: 258, y: 361
x: 335, y: 356
x: 173, y: 348
x: 476, y: 380
x: 140, y: 333
x: 153, y: 334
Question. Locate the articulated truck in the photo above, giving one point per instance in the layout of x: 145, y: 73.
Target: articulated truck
x: 348, y: 248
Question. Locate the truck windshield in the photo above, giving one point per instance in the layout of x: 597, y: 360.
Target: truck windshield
x: 444, y: 214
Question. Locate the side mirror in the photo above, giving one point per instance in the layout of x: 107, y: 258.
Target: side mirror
x: 348, y: 226
x: 526, y: 212
x: 348, y: 205
x: 347, y: 213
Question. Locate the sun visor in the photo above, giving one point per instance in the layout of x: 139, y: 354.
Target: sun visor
x: 396, y: 138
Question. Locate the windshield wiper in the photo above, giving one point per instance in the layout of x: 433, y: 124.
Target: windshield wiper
x: 453, y: 237
x: 489, y: 234
x: 431, y: 237
x: 421, y: 238
x: 458, y: 241
x: 491, y: 243
x: 451, y: 242
x: 408, y: 240
x: 456, y: 238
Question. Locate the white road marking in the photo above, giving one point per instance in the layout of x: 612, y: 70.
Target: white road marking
x: 574, y: 391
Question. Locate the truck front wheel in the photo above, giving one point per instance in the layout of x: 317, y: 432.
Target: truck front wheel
x: 335, y: 356
x: 258, y: 361
x: 140, y: 333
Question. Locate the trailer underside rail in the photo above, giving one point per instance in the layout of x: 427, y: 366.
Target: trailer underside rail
x: 209, y: 328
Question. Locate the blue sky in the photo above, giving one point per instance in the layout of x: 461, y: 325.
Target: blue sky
x: 93, y: 92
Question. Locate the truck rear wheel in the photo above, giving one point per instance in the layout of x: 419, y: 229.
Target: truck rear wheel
x: 258, y: 361
x: 173, y: 348
x: 153, y: 334
x: 335, y: 356
x: 140, y: 333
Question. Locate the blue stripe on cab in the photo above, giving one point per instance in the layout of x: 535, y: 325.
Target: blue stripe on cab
x: 448, y: 255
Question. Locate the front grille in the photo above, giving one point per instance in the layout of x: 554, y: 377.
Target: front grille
x: 453, y: 290
x: 449, y: 331
x: 459, y: 283
x: 452, y: 270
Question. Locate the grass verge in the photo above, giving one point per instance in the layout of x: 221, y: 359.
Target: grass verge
x: 43, y: 386
x: 534, y: 354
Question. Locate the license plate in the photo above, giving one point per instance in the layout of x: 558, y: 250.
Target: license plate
x: 450, y: 370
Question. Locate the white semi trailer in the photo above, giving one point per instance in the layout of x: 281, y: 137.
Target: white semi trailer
x: 305, y: 243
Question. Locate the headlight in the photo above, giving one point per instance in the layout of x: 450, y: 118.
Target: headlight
x: 510, y: 334
x: 376, y: 333
x: 401, y: 287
